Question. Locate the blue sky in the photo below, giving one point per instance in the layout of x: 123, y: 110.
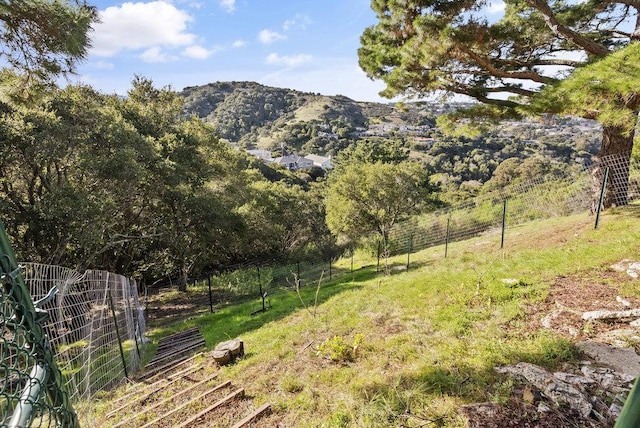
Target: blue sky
x: 307, y: 45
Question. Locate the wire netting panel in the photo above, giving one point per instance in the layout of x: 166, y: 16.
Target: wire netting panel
x: 553, y: 195
x: 31, y: 389
x: 96, y: 325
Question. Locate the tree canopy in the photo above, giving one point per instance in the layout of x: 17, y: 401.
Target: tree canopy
x: 130, y: 185
x: 364, y: 198
x: 515, y: 64
x: 45, y: 38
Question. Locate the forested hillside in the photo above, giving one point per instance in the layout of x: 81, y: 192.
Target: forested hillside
x: 256, y: 116
x: 259, y: 116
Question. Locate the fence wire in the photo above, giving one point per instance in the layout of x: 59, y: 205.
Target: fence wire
x: 95, y: 330
x: 31, y: 388
x: 517, y: 203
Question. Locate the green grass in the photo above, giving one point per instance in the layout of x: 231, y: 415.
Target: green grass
x: 427, y: 339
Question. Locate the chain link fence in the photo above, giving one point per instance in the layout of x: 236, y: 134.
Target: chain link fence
x: 31, y: 388
x: 65, y: 336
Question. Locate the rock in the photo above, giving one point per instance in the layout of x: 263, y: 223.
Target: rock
x: 615, y: 410
x: 543, y: 408
x: 622, y: 300
x: 611, y: 315
x: 623, y: 360
x: 630, y: 267
x: 560, y: 392
x: 604, y: 376
x: 574, y: 379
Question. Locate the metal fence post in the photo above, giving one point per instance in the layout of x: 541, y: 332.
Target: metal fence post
x: 260, y: 287
x: 504, y: 222
x: 602, y: 192
x: 352, y: 252
x: 210, y: 294
x: 409, y: 249
x: 446, y: 239
x: 115, y: 323
x: 330, y: 264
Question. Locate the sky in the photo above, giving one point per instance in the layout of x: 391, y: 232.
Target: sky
x: 307, y: 45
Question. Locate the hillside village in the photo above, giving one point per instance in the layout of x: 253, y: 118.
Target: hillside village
x: 293, y: 162
x: 289, y: 127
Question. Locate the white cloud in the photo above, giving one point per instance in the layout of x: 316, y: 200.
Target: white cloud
x: 197, y: 52
x: 239, y: 44
x: 267, y: 37
x: 288, y: 60
x: 140, y: 26
x: 101, y: 65
x: 300, y: 21
x: 154, y: 54
x: 496, y: 6
x: 228, y: 5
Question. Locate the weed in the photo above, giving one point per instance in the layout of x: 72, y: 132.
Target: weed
x: 339, y: 350
x: 315, y: 300
x: 291, y: 384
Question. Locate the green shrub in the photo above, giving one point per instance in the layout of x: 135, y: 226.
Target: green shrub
x: 339, y: 350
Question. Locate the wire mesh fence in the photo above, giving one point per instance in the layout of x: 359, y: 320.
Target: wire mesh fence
x: 31, y: 388
x: 93, y: 335
x: 96, y: 329
x: 492, y: 212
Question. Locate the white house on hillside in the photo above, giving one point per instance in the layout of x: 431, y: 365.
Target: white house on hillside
x: 320, y: 161
x: 293, y: 162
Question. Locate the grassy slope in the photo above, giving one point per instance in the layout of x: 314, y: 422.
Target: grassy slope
x: 430, y: 337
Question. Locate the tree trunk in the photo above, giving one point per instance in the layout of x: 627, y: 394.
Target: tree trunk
x: 182, y: 279
x: 615, y: 154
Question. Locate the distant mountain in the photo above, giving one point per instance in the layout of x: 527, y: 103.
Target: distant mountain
x: 258, y: 116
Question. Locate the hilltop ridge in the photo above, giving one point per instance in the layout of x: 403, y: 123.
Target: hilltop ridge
x: 261, y: 116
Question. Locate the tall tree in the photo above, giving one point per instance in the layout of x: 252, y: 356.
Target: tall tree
x: 41, y: 39
x: 366, y: 198
x: 424, y: 46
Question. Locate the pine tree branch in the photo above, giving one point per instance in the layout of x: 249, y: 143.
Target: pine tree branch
x: 565, y: 32
x: 494, y: 71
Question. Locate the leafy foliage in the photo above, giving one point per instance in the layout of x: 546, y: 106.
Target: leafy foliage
x: 371, y: 197
x: 130, y: 185
x: 418, y: 48
x: 42, y: 39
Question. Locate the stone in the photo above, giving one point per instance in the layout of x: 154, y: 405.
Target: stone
x: 623, y: 360
x: 615, y: 410
x: 560, y: 392
x: 611, y: 315
x: 574, y: 379
x: 630, y: 267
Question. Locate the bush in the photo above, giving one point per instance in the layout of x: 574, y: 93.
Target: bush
x: 339, y: 350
